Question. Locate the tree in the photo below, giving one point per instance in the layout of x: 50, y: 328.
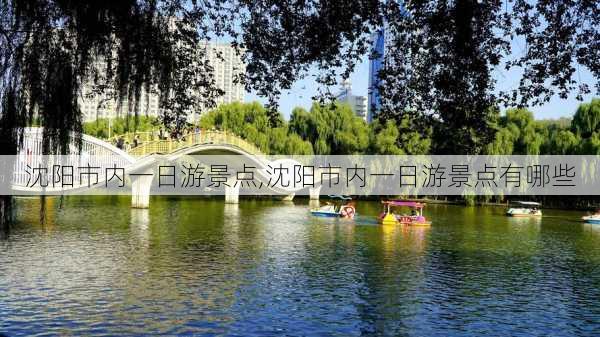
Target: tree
x: 587, y: 118
x: 302, y: 124
x: 522, y: 125
x: 385, y: 139
x: 438, y: 66
x: 251, y: 121
x: 120, y: 125
x: 50, y: 49
x: 519, y: 133
x: 591, y: 145
x: 284, y: 143
x: 440, y: 56
x: 503, y: 143
x: 295, y: 145
x: 332, y: 128
x: 414, y: 139
x: 564, y: 142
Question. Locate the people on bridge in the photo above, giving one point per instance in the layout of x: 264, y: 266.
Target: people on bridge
x: 121, y: 143
x: 196, y: 134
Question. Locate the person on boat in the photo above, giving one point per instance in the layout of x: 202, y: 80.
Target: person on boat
x: 329, y: 207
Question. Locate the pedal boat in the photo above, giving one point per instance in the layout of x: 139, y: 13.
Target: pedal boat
x: 524, y: 209
x: 344, y: 209
x: 416, y: 218
x: 592, y: 219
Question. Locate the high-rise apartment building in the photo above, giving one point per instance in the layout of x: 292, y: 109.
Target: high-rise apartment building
x: 227, y: 66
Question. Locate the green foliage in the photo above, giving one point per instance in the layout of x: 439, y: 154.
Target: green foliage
x: 587, y: 118
x: 301, y: 124
x: 332, y: 128
x: 325, y: 129
x: 564, y: 142
x: 519, y: 133
x: 527, y: 140
x: 120, y: 125
x: 591, y: 145
x: 438, y: 63
x: 413, y: 139
x: 391, y: 139
x: 252, y: 122
x: 385, y: 140
x: 503, y: 143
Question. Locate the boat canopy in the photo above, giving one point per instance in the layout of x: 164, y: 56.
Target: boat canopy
x: 528, y: 203
x: 342, y: 197
x: 406, y: 203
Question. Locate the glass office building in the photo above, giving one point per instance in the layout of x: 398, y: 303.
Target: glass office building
x: 375, y: 66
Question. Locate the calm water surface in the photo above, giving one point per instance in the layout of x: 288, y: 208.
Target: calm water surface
x: 261, y: 268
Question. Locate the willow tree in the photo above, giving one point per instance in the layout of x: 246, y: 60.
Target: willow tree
x: 50, y: 49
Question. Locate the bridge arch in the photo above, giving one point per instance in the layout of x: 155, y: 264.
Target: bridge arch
x: 141, y: 158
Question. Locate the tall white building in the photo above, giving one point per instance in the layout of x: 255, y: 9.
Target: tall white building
x: 226, y: 68
x: 358, y: 103
x: 227, y: 65
x: 105, y: 105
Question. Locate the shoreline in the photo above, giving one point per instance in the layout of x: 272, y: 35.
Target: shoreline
x: 445, y: 201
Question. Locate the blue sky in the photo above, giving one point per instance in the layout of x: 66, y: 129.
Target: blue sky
x: 303, y: 90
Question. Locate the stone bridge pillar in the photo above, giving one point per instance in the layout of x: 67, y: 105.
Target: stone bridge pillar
x: 140, y: 188
x: 314, y: 192
x: 232, y: 191
x: 314, y: 203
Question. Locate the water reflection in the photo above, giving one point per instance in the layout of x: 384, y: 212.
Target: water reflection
x: 140, y: 225
x: 201, y: 267
x: 231, y: 223
x: 593, y: 229
x: 521, y: 221
x: 314, y: 203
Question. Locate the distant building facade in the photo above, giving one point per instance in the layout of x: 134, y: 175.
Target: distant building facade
x: 375, y: 65
x: 357, y: 103
x: 104, y: 105
x: 226, y: 69
x: 227, y: 66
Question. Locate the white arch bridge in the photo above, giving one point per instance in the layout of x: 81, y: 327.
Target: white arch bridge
x: 139, y: 164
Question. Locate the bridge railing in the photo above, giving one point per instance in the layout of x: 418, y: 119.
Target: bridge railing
x: 93, y: 152
x: 143, y: 136
x: 203, y: 137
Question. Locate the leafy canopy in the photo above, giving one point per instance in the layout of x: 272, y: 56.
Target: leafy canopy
x: 438, y: 66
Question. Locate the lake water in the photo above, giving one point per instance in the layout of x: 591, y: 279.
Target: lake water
x: 266, y: 268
